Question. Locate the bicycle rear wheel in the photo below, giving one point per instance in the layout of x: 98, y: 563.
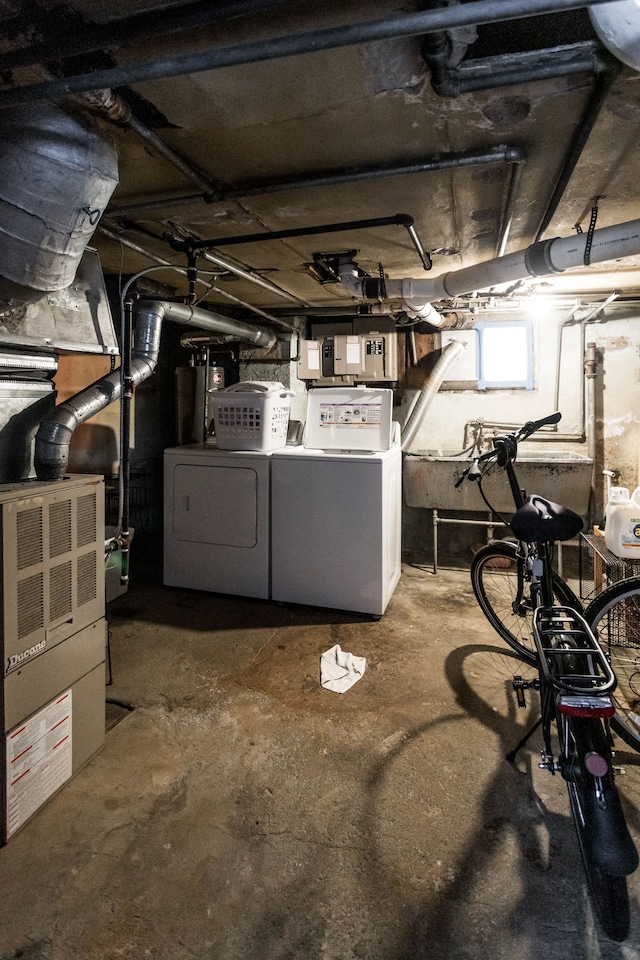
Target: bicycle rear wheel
x: 614, y: 617
x: 595, y: 825
x: 502, y: 589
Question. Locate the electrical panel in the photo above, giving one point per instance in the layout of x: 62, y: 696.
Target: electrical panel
x: 309, y: 359
x: 380, y: 356
x: 347, y: 355
x: 347, y: 358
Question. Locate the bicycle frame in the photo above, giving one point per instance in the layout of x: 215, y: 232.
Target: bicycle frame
x: 538, y: 557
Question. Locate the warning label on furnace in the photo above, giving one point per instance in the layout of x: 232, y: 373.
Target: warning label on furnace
x: 350, y: 414
x: 39, y: 760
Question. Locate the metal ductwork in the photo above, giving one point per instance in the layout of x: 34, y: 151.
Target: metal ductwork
x: 54, y: 435
x: 541, y: 259
x: 57, y: 174
x: 618, y: 26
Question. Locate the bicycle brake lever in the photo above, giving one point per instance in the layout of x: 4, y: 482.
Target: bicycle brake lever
x: 472, y: 473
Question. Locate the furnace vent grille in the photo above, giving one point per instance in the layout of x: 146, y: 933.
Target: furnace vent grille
x: 86, y: 520
x: 60, y: 528
x: 87, y: 578
x: 60, y: 591
x: 29, y: 534
x: 30, y: 605
x: 52, y: 564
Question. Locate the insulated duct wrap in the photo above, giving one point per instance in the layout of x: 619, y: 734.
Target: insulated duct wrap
x: 57, y: 174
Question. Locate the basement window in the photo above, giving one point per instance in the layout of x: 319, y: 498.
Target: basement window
x: 504, y: 355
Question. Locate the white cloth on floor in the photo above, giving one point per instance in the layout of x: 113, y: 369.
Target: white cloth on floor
x: 340, y: 670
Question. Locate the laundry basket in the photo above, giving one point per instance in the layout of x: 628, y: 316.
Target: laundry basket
x: 251, y: 415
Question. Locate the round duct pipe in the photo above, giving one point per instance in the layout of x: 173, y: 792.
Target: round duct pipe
x: 618, y: 27
x: 56, y: 430
x: 57, y: 174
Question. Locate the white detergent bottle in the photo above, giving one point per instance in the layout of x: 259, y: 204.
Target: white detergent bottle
x: 622, y: 527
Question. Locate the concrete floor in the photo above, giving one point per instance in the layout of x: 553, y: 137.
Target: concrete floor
x: 240, y: 812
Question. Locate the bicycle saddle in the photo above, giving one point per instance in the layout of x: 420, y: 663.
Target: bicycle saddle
x: 540, y: 519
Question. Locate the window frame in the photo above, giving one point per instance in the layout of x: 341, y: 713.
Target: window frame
x: 481, y: 349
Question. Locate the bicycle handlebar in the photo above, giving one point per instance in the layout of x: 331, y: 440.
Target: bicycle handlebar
x: 532, y: 425
x: 505, y: 447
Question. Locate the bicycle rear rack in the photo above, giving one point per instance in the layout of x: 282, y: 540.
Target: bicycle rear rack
x: 571, y: 659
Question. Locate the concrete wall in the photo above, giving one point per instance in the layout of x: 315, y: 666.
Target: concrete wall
x: 558, y: 373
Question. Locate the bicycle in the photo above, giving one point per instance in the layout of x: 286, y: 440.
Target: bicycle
x: 501, y: 584
x: 538, y: 615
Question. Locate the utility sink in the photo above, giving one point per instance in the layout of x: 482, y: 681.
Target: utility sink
x: 429, y: 480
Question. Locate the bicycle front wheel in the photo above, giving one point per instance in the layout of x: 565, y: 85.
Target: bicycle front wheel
x: 503, y: 591
x: 614, y: 617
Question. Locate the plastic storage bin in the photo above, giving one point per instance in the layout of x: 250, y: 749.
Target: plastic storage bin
x: 251, y: 415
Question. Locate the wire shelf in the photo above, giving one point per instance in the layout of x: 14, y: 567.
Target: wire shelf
x: 599, y: 567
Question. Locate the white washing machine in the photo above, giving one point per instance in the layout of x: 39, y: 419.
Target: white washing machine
x: 216, y: 520
x: 335, y: 527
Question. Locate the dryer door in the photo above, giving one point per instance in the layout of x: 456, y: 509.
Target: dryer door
x: 215, y: 504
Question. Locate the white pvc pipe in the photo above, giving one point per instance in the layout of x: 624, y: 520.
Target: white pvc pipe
x: 538, y: 260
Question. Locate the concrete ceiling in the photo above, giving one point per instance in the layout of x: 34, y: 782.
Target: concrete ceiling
x: 262, y: 142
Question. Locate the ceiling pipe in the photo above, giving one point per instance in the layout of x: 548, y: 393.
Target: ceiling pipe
x: 541, y: 259
x: 509, y: 207
x: 225, y: 264
x: 398, y: 220
x: 618, y: 26
x: 55, y: 432
x: 511, y: 154
x: 466, y: 76
x: 114, y: 107
x: 136, y: 248
x: 474, y: 12
x: 93, y: 37
x: 589, y: 117
x: 505, y: 153
x: 247, y: 274
x: 471, y: 76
